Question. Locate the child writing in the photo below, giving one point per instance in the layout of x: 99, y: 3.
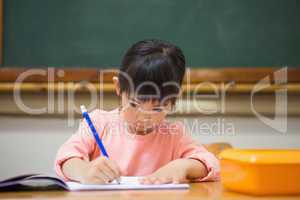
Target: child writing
x: 137, y: 137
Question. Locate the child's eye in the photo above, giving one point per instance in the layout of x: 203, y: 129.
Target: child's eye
x: 158, y: 109
x: 133, y: 104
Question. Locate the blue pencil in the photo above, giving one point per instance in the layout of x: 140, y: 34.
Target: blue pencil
x: 94, y: 131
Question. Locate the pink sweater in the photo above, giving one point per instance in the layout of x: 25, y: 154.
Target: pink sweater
x: 136, y: 155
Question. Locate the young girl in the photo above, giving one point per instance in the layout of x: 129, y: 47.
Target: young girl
x: 138, y: 138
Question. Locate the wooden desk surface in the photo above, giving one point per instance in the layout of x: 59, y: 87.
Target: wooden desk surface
x: 212, y: 190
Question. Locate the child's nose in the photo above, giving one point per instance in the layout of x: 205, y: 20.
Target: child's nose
x: 144, y: 116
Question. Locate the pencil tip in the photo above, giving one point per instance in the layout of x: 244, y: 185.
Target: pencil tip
x: 83, y: 109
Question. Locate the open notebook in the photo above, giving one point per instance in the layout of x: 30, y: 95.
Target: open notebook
x: 43, y: 182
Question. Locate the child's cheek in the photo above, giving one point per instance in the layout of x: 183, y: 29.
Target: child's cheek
x: 158, y: 118
x: 129, y: 117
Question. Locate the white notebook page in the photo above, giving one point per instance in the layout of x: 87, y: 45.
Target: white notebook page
x: 126, y: 183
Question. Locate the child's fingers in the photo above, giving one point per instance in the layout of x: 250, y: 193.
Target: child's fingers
x: 156, y: 180
x: 145, y: 181
x: 152, y: 180
x: 175, y: 181
x: 108, y: 172
x: 102, y: 172
x: 111, y: 172
x: 93, y: 180
x: 149, y: 180
x: 178, y: 180
x: 164, y: 180
x: 98, y: 178
x: 114, y: 167
x: 103, y: 177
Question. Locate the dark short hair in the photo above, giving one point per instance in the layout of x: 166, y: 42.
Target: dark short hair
x: 154, y: 61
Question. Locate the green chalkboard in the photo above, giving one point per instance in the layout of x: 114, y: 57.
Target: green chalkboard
x: 96, y: 33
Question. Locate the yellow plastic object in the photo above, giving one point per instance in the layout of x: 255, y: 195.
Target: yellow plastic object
x: 261, y: 172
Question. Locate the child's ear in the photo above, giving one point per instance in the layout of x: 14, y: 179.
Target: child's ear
x: 117, y: 85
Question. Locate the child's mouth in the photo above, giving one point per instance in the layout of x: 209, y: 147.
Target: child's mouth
x: 143, y: 128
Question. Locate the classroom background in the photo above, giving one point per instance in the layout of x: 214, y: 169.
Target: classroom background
x: 56, y: 54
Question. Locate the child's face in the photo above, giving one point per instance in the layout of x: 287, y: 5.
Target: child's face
x: 143, y: 117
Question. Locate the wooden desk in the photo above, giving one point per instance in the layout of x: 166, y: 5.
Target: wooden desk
x: 212, y: 190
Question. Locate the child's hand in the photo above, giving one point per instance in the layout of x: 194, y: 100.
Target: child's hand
x: 177, y: 171
x: 100, y: 171
x: 173, y: 172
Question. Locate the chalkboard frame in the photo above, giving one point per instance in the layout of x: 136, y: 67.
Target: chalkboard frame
x: 241, y: 80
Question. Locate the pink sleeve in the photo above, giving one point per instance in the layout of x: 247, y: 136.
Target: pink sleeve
x: 187, y: 148
x: 80, y: 145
